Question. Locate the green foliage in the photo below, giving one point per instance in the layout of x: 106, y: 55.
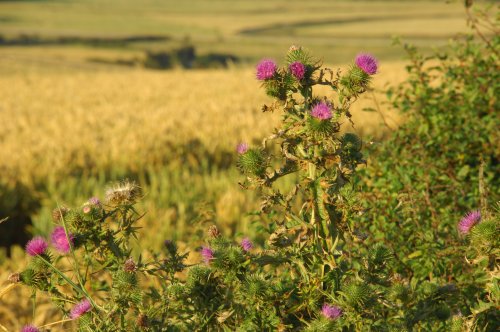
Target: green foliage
x: 441, y: 163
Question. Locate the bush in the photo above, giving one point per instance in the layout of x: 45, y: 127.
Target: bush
x: 442, y: 162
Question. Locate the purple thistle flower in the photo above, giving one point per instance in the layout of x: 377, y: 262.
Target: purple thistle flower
x: 298, y: 69
x: 60, y: 241
x: 266, y: 69
x: 331, y: 311
x: 95, y: 201
x: 30, y: 328
x: 246, y: 244
x: 322, y: 111
x: 36, y: 246
x: 80, y: 308
x: 367, y: 63
x: 242, y: 148
x: 468, y: 221
x: 208, y: 254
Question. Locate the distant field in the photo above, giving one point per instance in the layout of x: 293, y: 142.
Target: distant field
x: 248, y: 29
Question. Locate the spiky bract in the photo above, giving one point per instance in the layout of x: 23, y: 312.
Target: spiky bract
x: 253, y: 162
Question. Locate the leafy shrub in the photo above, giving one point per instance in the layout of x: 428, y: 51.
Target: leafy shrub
x: 442, y: 162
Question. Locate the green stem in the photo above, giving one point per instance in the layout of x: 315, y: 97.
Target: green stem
x: 82, y: 290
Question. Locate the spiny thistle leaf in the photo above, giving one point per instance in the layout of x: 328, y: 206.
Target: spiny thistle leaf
x: 380, y: 254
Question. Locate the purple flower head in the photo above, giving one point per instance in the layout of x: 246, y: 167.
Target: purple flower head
x: 297, y: 69
x: 30, y: 328
x: 242, y: 148
x: 80, y: 308
x: 331, y: 311
x: 367, y: 63
x: 322, y: 111
x: 60, y: 241
x: 468, y: 221
x: 95, y: 201
x: 208, y: 254
x: 246, y: 244
x: 266, y: 69
x: 36, y: 246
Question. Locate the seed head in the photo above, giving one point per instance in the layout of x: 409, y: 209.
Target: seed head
x: 36, y: 246
x: 30, y: 328
x: 60, y: 241
x: 213, y: 232
x: 297, y: 69
x: 129, y: 266
x: 124, y: 193
x: 468, y: 221
x: 208, y: 254
x: 266, y: 69
x: 59, y: 213
x: 322, y: 111
x: 80, y: 308
x: 367, y: 63
x: 246, y: 244
x: 14, y: 278
x: 330, y: 311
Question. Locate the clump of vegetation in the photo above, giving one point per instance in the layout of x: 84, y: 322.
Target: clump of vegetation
x: 442, y: 162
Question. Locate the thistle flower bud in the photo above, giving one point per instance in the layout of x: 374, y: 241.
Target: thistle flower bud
x: 242, y: 148
x: 129, y: 266
x: 30, y: 277
x: 171, y: 246
x: 253, y: 162
x: 59, y: 213
x: 213, y: 232
x: 125, y: 193
x: 246, y: 244
x: 351, y: 141
x: 94, y: 201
